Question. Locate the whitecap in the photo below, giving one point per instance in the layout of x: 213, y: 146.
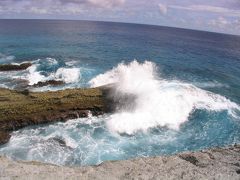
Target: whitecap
x: 68, y: 75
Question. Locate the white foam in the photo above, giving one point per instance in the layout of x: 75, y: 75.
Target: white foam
x: 214, y: 84
x: 158, y: 102
x: 68, y: 75
x: 34, y: 76
x: 51, y: 61
x: 71, y: 63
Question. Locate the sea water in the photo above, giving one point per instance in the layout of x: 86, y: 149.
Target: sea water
x: 185, y: 84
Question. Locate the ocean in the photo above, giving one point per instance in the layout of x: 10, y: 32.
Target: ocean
x: 186, y: 84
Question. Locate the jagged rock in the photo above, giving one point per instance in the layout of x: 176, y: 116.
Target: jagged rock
x: 215, y: 163
x: 14, y: 67
x: 49, y: 82
x: 60, y: 141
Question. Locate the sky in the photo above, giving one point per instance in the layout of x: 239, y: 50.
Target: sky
x: 209, y: 15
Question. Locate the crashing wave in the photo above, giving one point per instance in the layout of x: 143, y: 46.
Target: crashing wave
x: 158, y: 102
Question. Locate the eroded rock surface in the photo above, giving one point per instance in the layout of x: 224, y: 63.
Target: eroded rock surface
x: 19, y: 109
x: 215, y: 163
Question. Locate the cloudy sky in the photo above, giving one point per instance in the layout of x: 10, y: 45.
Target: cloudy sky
x: 211, y: 15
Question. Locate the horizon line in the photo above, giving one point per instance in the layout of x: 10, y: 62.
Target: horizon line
x: 122, y: 22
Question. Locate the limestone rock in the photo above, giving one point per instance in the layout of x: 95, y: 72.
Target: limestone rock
x: 215, y: 163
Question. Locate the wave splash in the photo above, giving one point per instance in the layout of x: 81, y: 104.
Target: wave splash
x: 39, y: 72
x: 158, y: 102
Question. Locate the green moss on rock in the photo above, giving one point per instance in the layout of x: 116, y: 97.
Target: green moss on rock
x: 23, y: 108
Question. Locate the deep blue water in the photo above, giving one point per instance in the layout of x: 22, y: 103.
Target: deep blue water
x: 208, y: 61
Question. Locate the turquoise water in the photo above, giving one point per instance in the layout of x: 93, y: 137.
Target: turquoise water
x: 187, y: 85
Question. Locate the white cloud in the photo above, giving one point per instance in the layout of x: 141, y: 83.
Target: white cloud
x: 106, y: 3
x: 56, y: 6
x: 162, y: 8
x: 208, y: 8
x: 37, y: 10
x: 222, y: 23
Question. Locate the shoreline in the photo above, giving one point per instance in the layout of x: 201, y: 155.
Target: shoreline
x: 19, y: 109
x: 213, y: 163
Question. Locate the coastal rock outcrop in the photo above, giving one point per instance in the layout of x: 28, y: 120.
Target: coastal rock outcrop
x: 19, y: 109
x: 14, y: 67
x: 215, y: 163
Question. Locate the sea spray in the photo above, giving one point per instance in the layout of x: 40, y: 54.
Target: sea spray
x: 33, y: 76
x: 158, y: 102
x: 68, y: 75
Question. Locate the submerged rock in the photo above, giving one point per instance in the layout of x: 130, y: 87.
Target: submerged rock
x: 14, y: 67
x: 215, y: 163
x: 61, y: 142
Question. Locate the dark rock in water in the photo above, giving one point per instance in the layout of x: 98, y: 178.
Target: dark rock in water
x: 49, y: 82
x: 14, y: 67
x: 4, y: 137
x: 61, y: 142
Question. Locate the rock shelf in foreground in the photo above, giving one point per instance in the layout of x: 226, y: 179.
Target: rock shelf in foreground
x: 215, y: 163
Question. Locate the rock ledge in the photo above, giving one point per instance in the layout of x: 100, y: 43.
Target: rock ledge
x: 215, y: 163
x: 19, y: 109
